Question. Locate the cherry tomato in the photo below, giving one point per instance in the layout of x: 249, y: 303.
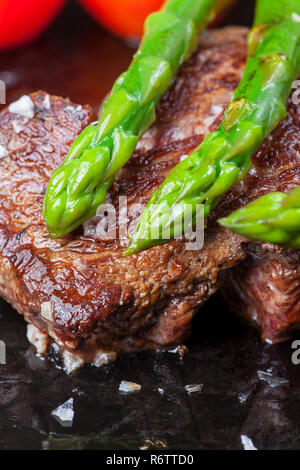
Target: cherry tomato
x: 222, y: 16
x: 123, y: 17
x: 23, y: 20
x: 126, y: 17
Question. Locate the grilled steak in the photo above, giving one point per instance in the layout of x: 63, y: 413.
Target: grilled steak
x: 79, y: 291
x: 265, y: 288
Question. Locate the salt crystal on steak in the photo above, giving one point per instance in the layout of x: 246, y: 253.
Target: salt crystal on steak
x: 22, y: 107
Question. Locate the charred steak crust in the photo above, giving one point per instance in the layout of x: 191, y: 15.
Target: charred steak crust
x: 80, y: 289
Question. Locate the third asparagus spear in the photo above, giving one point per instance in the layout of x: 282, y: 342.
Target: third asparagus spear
x: 224, y: 157
x: 273, y: 218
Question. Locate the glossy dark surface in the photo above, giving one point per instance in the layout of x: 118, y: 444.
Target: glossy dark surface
x: 224, y: 354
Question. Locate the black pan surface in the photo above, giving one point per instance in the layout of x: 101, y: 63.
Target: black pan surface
x: 225, y: 357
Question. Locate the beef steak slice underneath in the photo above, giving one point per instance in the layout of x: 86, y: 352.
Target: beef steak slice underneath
x: 79, y: 291
x: 265, y: 287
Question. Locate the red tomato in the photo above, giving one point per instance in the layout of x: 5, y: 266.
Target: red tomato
x: 126, y: 17
x: 123, y: 17
x: 23, y: 20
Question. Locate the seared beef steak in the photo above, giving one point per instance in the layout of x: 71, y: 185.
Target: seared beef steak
x: 265, y: 290
x: 80, y: 291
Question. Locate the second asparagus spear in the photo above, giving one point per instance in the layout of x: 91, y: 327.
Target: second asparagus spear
x: 80, y: 184
x: 257, y: 107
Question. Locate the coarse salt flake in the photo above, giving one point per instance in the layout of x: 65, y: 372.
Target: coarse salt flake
x: 46, y: 102
x: 193, y: 388
x: 18, y: 127
x: 64, y: 413
x: 3, y: 151
x: 23, y: 107
x: 272, y: 381
x: 104, y: 357
x: 47, y: 311
x: 247, y: 443
x: 129, y: 387
x: 72, y: 362
x: 38, y: 339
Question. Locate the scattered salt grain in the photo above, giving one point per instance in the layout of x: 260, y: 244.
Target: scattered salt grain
x: 23, y: 107
x: 270, y: 379
x: 129, y: 387
x: 38, y: 339
x: 104, y: 357
x: 243, y: 397
x: 72, y: 362
x: 74, y: 109
x: 3, y: 152
x: 267, y: 340
x: 18, y: 125
x: 158, y: 444
x: 194, y: 388
x: 247, y: 443
x: 46, y: 102
x: 47, y: 311
x: 296, y: 17
x: 184, y: 157
x: 215, y: 111
x: 64, y: 414
x: 48, y: 148
x: 78, y: 392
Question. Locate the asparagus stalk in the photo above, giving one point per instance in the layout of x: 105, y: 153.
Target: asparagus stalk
x: 273, y: 218
x: 224, y: 157
x: 80, y: 184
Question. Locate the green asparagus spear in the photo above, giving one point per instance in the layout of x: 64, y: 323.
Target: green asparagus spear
x: 80, y: 184
x: 224, y: 157
x: 273, y: 218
